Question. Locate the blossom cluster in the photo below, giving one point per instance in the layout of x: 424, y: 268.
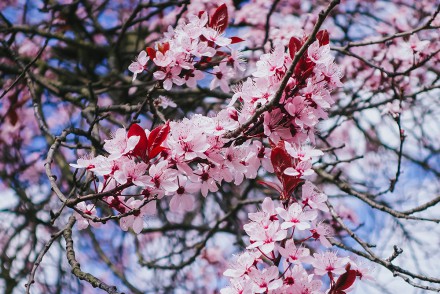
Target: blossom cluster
x: 279, y: 247
x: 187, y: 51
x: 181, y: 158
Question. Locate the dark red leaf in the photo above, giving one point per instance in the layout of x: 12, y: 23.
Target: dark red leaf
x: 323, y: 37
x: 235, y: 40
x: 219, y: 20
x: 345, y: 281
x: 156, y: 151
x: 280, y: 159
x: 141, y: 147
x: 156, y: 138
x: 151, y: 52
x: 290, y: 183
x: 294, y: 46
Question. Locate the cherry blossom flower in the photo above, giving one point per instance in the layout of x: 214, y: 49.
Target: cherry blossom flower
x: 82, y: 222
x: 292, y: 253
x: 305, y: 285
x: 205, y: 176
x: 164, y: 102
x: 303, y: 168
x: 163, y: 59
x: 242, y: 265
x: 265, y: 280
x: 169, y: 76
x: 294, y: 275
x: 363, y: 271
x: 328, y: 262
x: 139, y: 65
x: 263, y: 237
x: 321, y: 232
x: 275, y: 128
x: 263, y: 154
x: 120, y: 145
x: 192, y: 77
x: 221, y: 77
x: 267, y: 214
x: 269, y: 64
x: 319, y: 54
x: 312, y: 197
x: 234, y: 60
x: 133, y: 172
x: 135, y: 220
x: 214, y: 36
x: 162, y: 178
x: 183, y: 199
x: 296, y: 217
x: 303, y: 153
x: 84, y: 162
x: 239, y: 286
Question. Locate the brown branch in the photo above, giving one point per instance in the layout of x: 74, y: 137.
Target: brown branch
x: 76, y: 267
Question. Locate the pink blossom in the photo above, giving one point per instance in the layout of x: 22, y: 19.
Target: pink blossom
x: 221, y: 77
x: 164, y: 102
x: 269, y: 64
x: 205, y: 176
x: 264, y: 237
x: 183, y: 199
x: 303, y: 168
x: 292, y: 253
x: 214, y: 36
x: 319, y: 54
x: 265, y: 280
x: 312, y: 197
x: 163, y: 178
x: 321, y: 232
x: 88, y: 209
x: 303, y: 152
x: 275, y: 126
x: 133, y: 172
x: 239, y: 286
x: 296, y: 217
x: 120, y: 145
x: 163, y: 60
x: 242, y: 265
x: 169, y: 75
x: 329, y: 262
x: 135, y: 220
x: 267, y: 214
x: 192, y: 77
x: 139, y: 65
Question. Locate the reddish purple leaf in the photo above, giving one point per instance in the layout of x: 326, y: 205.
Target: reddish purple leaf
x: 156, y: 138
x: 323, y: 37
x: 294, y: 46
x: 345, y: 281
x: 236, y: 40
x: 219, y: 20
x: 151, y: 53
x: 141, y: 147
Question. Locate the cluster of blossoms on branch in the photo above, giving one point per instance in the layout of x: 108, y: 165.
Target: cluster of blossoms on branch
x: 187, y: 51
x: 280, y: 238
x: 180, y: 158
